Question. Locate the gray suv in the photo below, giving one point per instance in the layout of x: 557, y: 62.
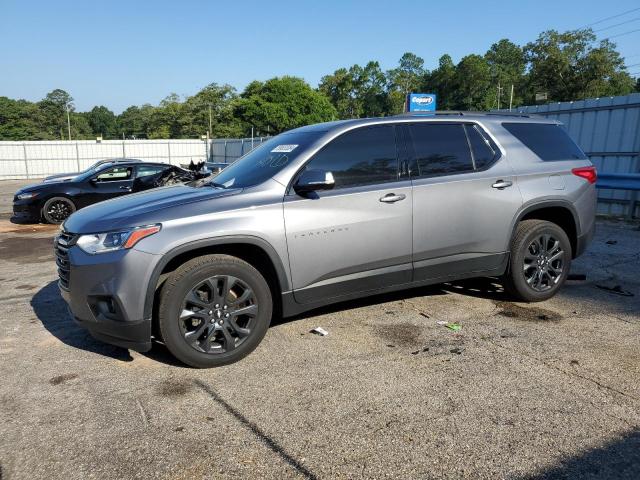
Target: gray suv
x: 327, y: 213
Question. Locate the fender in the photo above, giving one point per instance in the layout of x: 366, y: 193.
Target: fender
x: 283, y: 280
x: 530, y: 207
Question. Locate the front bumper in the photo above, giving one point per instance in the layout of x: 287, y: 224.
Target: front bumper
x: 106, y: 293
x: 26, y: 210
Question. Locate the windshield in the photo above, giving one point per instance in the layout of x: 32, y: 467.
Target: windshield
x: 264, y: 161
x: 90, y: 172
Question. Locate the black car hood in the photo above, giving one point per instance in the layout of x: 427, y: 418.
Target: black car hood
x: 143, y: 208
x: 37, y: 187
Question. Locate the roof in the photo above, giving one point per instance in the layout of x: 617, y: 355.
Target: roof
x: 438, y: 116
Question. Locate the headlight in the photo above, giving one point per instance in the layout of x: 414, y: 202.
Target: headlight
x: 27, y: 196
x: 111, y: 241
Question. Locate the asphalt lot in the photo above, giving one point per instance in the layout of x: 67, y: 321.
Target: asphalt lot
x: 548, y: 390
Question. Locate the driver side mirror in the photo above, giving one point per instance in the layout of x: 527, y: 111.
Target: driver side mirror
x: 314, y: 180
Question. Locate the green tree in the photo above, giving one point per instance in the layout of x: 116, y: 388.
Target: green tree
x: 21, y: 120
x: 340, y: 88
x: 473, y: 81
x: 53, y: 109
x: 213, y: 103
x: 507, y: 64
x: 442, y: 82
x: 135, y: 121
x: 282, y: 103
x: 404, y: 79
x: 358, y: 91
x: 102, y: 121
x: 571, y: 66
x: 166, y: 118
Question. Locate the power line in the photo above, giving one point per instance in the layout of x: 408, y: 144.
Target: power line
x: 623, y: 33
x: 617, y: 25
x: 632, y: 65
x: 612, y: 17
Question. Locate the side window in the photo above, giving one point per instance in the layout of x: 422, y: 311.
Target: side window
x: 360, y: 157
x: 484, y: 153
x: 440, y: 149
x: 115, y: 174
x: 548, y: 141
x: 146, y: 170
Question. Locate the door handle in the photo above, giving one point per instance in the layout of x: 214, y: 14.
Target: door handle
x: 392, y: 198
x: 502, y: 184
x: 123, y: 187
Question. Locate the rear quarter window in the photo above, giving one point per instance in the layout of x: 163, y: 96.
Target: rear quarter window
x: 548, y: 141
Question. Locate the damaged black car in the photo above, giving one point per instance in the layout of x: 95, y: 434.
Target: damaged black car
x: 53, y: 202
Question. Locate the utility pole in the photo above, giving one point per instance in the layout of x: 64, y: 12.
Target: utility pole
x: 68, y: 121
x: 499, y: 95
x: 210, y: 129
x: 511, y: 98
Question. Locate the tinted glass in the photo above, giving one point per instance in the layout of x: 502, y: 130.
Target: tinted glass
x: 115, y: 174
x: 483, y: 153
x: 360, y: 157
x: 440, y: 149
x: 264, y: 161
x: 548, y: 141
x: 146, y: 170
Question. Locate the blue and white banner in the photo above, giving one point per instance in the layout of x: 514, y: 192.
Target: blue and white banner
x: 421, y: 102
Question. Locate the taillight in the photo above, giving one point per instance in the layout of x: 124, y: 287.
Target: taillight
x: 588, y: 173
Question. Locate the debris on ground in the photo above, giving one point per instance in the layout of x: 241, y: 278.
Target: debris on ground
x: 618, y: 290
x: 611, y: 242
x: 319, y: 331
x: 577, y: 276
x: 454, y: 326
x: 424, y: 315
x: 457, y: 350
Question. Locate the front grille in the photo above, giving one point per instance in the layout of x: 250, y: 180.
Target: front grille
x: 61, y: 247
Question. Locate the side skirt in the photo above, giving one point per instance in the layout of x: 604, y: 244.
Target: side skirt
x: 290, y: 307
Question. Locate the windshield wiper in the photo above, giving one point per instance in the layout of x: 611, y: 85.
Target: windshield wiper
x: 216, y: 185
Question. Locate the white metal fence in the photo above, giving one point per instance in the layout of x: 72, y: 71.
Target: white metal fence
x: 37, y: 159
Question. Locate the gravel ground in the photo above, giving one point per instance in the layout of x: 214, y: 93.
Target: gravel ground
x: 549, y: 390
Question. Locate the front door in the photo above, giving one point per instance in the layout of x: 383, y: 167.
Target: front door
x: 111, y: 183
x: 465, y: 198
x: 356, y: 237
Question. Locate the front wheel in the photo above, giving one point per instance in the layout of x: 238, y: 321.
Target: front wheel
x: 214, y: 310
x: 57, y: 209
x: 540, y: 261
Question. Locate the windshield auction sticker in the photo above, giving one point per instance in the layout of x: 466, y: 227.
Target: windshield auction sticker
x: 284, y: 148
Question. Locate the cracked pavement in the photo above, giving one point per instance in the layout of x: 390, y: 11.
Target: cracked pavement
x: 547, y: 390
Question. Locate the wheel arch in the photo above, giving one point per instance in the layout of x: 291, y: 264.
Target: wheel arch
x: 254, y: 250
x: 560, y: 212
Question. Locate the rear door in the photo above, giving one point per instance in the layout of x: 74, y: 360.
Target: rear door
x: 464, y: 200
x: 356, y: 237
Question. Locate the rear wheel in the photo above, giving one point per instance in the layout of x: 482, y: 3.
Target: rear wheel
x: 57, y: 209
x: 214, y: 310
x: 540, y: 261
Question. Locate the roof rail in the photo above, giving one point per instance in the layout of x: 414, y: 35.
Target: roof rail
x: 461, y: 113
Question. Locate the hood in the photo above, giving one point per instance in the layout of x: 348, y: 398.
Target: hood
x: 34, y: 188
x: 61, y: 177
x: 153, y: 206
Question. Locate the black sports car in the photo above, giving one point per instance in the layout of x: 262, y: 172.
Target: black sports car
x: 53, y: 202
x: 60, y: 177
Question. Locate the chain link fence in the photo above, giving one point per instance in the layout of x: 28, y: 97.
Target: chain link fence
x: 24, y: 160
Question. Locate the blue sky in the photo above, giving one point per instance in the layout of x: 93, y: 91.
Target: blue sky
x: 119, y: 53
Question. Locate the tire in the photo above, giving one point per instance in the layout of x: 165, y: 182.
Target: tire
x: 529, y: 256
x: 57, y: 209
x: 203, y: 326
